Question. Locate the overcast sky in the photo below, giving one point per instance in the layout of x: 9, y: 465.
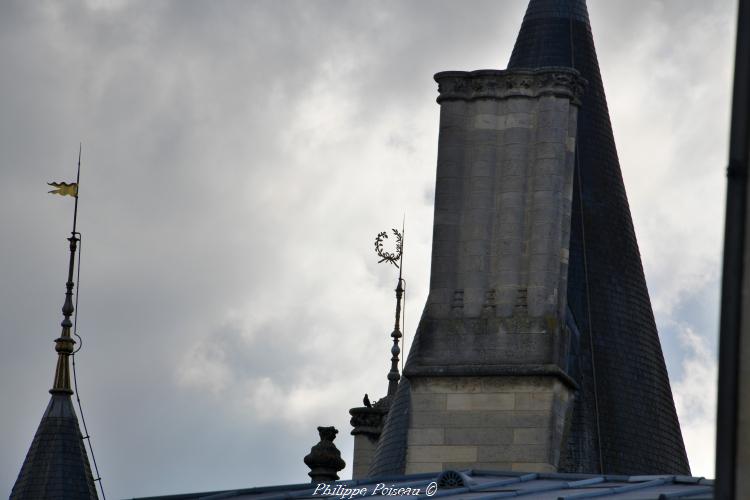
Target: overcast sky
x: 239, y: 159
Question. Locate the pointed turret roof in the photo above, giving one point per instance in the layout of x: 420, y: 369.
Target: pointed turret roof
x: 56, y: 465
x: 627, y: 399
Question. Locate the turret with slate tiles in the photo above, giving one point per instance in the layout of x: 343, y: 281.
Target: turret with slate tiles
x: 621, y: 368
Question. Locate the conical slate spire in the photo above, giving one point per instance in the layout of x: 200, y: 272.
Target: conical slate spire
x: 56, y: 465
x: 626, y: 411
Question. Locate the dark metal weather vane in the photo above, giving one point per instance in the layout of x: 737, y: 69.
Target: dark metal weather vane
x: 396, y: 258
x: 387, y: 256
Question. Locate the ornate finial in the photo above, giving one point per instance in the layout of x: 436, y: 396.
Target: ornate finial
x: 398, y: 255
x: 64, y: 343
x: 324, y: 458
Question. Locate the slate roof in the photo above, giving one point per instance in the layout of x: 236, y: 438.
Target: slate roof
x: 486, y: 485
x: 607, y: 293
x: 56, y: 466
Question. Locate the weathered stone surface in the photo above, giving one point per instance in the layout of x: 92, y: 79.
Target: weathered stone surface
x: 441, y: 453
x: 505, y: 420
x: 532, y: 435
x: 470, y: 402
x: 428, y: 436
x: 480, y: 435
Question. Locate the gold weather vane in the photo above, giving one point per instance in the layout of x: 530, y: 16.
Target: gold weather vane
x: 64, y: 188
x: 64, y: 343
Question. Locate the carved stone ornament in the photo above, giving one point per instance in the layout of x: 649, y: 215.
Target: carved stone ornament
x: 369, y: 421
x: 501, y: 84
x: 324, y: 458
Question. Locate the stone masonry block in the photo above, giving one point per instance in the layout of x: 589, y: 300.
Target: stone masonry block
x: 478, y: 436
x: 499, y: 466
x: 502, y: 419
x: 520, y: 120
x: 531, y: 435
x: 446, y: 385
x: 426, y: 436
x: 485, y: 107
x: 508, y: 200
x: 447, y: 218
x: 550, y: 150
x: 483, y: 153
x: 510, y: 184
x: 451, y: 154
x: 517, y: 384
x: 419, y: 467
x: 517, y: 135
x: 533, y: 400
x: 480, y: 185
x: 482, y: 168
x: 485, y: 138
x: 428, y: 402
x: 553, y: 103
x: 483, y: 202
x: 516, y: 151
x: 488, y: 122
x: 520, y: 105
x: 476, y: 232
x: 442, y: 453
x: 544, y: 167
x: 428, y: 419
x: 552, y: 119
x: 513, y: 167
x: 513, y: 453
x: 447, y: 201
x: 551, y: 183
x: 467, y: 402
x: 551, y: 134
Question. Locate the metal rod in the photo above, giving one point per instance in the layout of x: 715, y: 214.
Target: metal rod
x: 78, y: 180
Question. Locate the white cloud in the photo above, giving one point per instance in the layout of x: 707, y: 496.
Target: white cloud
x: 695, y: 400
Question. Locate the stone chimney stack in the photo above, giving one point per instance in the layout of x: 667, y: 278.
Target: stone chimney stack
x: 485, y: 384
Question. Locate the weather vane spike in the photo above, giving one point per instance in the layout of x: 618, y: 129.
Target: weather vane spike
x: 395, y: 258
x: 64, y: 343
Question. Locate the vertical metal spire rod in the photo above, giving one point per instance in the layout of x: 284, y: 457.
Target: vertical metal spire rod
x: 393, y: 375
x: 64, y: 343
